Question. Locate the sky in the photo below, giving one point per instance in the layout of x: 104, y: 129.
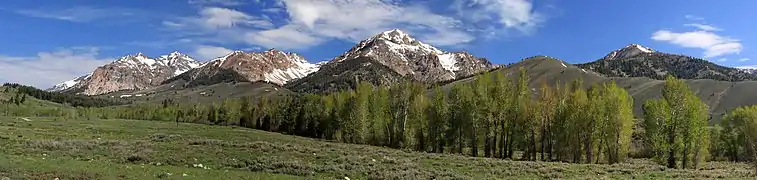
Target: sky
x: 45, y: 45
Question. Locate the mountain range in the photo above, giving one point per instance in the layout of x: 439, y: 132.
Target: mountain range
x: 383, y: 59
x: 130, y: 72
x: 392, y: 56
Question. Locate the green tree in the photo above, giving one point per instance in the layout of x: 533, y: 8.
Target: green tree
x: 501, y: 98
x: 743, y: 120
x: 618, y: 122
x: 485, y: 115
x: 681, y: 121
x: 437, y: 118
x: 547, y: 105
x: 361, y: 111
x: 418, y: 130
x: 379, y: 114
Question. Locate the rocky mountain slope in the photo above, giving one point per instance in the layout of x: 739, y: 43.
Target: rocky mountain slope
x: 638, y: 61
x: 271, y: 66
x: 388, y: 57
x: 720, y: 96
x: 131, y: 72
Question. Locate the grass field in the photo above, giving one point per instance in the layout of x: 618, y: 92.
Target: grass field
x: 48, y: 148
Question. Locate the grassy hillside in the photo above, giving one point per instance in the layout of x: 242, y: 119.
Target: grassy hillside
x: 210, y: 93
x: 721, y: 96
x: 6, y: 93
x: 40, y: 148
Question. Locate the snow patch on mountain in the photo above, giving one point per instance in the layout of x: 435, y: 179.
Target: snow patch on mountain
x: 448, y: 62
x: 300, y: 68
x: 642, y: 48
x: 400, y: 40
x: 748, y: 69
x: 629, y: 51
x: 70, y: 83
x: 174, y: 63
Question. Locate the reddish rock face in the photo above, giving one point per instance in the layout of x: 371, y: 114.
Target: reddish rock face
x: 132, y: 72
x: 271, y: 66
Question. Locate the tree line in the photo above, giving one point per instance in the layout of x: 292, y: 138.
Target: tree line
x: 62, y: 98
x: 494, y: 116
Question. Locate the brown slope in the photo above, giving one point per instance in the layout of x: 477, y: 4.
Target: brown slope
x: 216, y: 92
x: 720, y: 96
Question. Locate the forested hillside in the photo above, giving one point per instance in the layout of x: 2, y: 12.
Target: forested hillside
x: 658, y: 65
x: 62, y: 98
x: 493, y: 116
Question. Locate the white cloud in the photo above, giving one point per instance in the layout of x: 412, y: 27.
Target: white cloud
x: 357, y: 20
x: 49, y: 68
x: 215, y: 18
x: 713, y: 44
x: 312, y: 22
x: 517, y: 14
x: 693, y: 17
x: 704, y: 38
x: 219, y: 2
x: 83, y: 13
x: 704, y: 27
x: 744, y: 59
x: 285, y: 37
x: 722, y: 60
x: 205, y: 52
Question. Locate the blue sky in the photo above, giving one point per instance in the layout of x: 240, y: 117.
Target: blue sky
x: 43, y: 45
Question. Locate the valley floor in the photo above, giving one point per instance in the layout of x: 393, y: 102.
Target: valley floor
x: 49, y: 148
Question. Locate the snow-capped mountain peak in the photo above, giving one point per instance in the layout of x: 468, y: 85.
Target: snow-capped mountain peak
x: 641, y: 48
x: 399, y: 40
x: 133, y: 71
x: 629, y: 51
x: 406, y: 55
x: 748, y: 69
x: 272, y: 65
x: 70, y: 83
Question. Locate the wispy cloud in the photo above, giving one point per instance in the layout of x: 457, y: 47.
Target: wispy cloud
x: 744, y: 59
x: 500, y: 14
x: 693, y: 17
x: 722, y: 60
x: 49, y: 68
x: 311, y: 22
x: 704, y: 38
x: 82, y: 14
x: 210, y: 52
x: 704, y: 27
x: 221, y: 2
x: 714, y: 45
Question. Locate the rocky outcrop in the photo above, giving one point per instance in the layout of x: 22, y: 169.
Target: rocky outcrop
x: 396, y: 51
x: 131, y: 72
x: 410, y: 57
x: 272, y: 66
